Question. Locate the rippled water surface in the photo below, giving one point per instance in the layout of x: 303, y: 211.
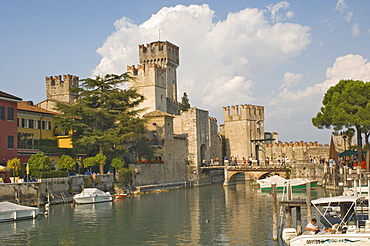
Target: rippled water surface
x: 207, y: 215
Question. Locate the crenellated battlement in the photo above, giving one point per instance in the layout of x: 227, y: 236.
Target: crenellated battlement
x: 68, y: 79
x: 297, y: 144
x: 159, y: 52
x: 244, y: 112
x: 144, y: 68
x: 58, y: 87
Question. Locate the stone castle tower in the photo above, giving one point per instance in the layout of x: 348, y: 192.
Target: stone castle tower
x: 156, y: 77
x: 58, y: 90
x: 243, y: 130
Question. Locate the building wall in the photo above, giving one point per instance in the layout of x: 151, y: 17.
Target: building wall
x: 172, y: 170
x: 202, y: 134
x: 242, y: 127
x: 36, y: 130
x: 156, y: 77
x: 166, y: 55
x: 297, y: 151
x: 214, y: 139
x: 150, y: 82
x: 8, y: 128
x: 58, y: 89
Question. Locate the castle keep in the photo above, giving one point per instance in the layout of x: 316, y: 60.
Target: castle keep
x: 156, y: 76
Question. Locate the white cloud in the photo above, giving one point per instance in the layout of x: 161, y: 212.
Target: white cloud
x: 228, y: 91
x: 300, y: 103
x: 291, y: 79
x: 342, y: 7
x: 355, y: 30
x: 276, y: 8
x: 219, y: 62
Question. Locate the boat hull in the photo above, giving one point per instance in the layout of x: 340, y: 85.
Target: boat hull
x: 13, y: 212
x: 313, y: 186
x: 331, y: 239
x: 92, y: 195
x: 96, y: 199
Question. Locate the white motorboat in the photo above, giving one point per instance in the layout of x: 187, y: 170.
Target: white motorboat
x: 10, y: 211
x: 281, y: 183
x: 346, y: 231
x: 92, y: 195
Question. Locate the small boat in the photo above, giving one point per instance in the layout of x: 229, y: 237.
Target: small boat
x: 10, y: 212
x: 92, y: 195
x: 346, y: 230
x: 121, y: 195
x: 281, y: 183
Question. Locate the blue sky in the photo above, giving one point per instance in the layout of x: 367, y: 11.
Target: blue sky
x: 282, y: 55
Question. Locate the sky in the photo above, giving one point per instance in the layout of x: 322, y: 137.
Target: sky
x: 282, y: 55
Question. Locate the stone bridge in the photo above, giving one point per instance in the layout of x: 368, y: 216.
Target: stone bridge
x: 254, y: 171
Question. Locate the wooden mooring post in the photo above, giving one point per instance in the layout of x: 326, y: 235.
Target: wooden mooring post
x: 308, y: 201
x: 274, y: 212
x: 291, y: 203
x: 298, y: 220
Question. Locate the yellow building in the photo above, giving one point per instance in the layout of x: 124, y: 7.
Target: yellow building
x: 33, y: 123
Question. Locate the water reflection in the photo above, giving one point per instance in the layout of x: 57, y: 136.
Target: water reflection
x: 208, y: 215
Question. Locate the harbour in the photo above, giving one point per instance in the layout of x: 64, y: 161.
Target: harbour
x: 207, y: 215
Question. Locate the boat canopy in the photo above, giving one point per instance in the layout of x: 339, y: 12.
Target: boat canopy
x: 8, y: 206
x: 333, y: 200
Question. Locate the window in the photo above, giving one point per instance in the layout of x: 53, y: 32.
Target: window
x: 25, y: 123
x: 46, y: 125
x: 18, y: 122
x: 2, y: 113
x: 36, y: 124
x: 10, y: 142
x: 31, y: 123
x: 11, y: 114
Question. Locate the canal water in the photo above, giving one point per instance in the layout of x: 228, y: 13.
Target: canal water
x: 206, y: 215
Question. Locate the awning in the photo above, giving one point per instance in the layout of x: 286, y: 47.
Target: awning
x: 334, y: 199
x: 350, y: 152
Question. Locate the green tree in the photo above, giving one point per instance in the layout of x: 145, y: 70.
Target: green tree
x: 66, y: 162
x: 39, y: 162
x: 141, y: 149
x: 97, y: 160
x: 125, y: 177
x: 185, y: 105
x: 346, y: 105
x: 117, y: 163
x: 104, y: 117
x: 14, y: 164
x: 100, y: 160
x: 89, y: 162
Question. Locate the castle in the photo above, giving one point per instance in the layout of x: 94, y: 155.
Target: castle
x: 59, y: 90
x: 186, y: 140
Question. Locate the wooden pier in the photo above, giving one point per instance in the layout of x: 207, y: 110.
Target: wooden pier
x: 288, y: 205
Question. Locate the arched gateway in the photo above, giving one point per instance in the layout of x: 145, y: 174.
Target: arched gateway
x: 254, y: 172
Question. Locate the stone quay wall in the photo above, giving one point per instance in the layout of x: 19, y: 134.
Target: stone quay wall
x: 60, y: 189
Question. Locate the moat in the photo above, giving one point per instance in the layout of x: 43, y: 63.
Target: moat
x: 206, y: 215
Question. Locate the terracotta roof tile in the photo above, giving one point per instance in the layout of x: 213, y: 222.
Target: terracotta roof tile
x: 27, y: 107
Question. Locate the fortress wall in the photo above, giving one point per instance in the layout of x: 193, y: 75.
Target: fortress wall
x: 300, y: 151
x: 174, y: 168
